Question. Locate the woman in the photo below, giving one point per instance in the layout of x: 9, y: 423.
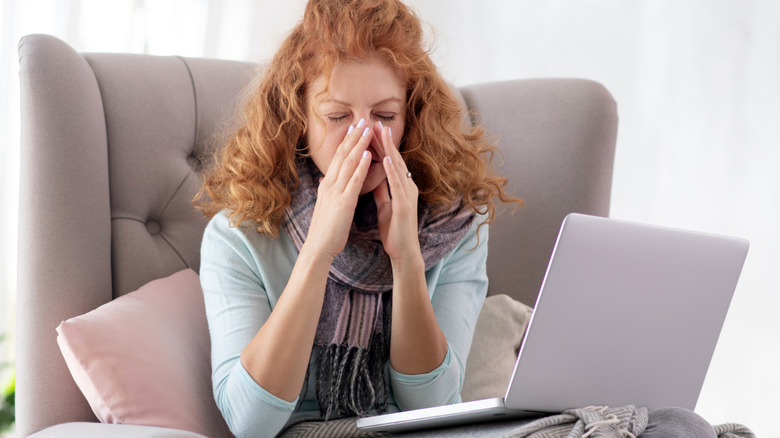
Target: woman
x: 342, y: 268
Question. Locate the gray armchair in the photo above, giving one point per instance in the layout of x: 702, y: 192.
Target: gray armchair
x: 112, y: 152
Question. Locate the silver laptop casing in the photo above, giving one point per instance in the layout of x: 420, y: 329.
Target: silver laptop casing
x: 628, y: 314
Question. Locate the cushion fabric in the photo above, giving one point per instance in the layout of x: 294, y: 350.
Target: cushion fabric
x: 144, y: 358
x: 500, y: 329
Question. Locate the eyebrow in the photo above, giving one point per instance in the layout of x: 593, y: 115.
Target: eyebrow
x: 383, y: 101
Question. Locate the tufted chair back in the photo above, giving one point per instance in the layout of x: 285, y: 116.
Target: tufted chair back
x: 112, y: 153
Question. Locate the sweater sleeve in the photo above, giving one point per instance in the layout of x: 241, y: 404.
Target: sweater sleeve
x: 237, y: 305
x: 458, y: 286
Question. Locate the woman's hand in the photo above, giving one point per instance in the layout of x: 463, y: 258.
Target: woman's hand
x: 417, y: 344
x: 397, y: 206
x: 338, y: 193
x: 282, y: 346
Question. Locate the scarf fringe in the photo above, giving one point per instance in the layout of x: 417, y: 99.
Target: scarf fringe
x: 350, y: 381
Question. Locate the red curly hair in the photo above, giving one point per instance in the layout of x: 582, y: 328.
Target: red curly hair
x: 254, y: 174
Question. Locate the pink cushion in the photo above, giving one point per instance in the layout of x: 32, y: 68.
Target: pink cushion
x: 144, y: 358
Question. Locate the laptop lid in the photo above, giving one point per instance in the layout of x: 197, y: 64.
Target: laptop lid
x: 628, y: 313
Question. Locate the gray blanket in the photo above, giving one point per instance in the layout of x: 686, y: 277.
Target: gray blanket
x: 622, y: 422
x: 595, y: 422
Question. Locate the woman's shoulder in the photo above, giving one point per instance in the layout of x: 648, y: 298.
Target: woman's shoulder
x: 221, y: 231
x: 478, y: 229
x: 224, y: 224
x: 221, y: 227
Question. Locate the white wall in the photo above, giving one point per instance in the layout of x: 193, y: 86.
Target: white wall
x: 698, y: 99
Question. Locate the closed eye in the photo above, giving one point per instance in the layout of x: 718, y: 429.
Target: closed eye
x: 336, y: 119
x: 387, y: 117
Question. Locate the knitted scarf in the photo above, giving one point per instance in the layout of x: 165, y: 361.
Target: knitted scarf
x: 352, y: 343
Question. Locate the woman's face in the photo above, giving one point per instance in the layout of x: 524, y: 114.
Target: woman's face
x: 368, y: 90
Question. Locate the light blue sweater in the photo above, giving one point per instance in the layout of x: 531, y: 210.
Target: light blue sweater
x: 243, y: 273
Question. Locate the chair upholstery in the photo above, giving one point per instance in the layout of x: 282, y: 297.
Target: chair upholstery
x: 111, y: 156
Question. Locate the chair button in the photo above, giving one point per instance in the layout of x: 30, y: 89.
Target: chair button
x: 153, y: 227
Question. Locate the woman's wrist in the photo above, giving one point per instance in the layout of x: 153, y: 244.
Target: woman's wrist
x: 315, y: 257
x: 411, y: 264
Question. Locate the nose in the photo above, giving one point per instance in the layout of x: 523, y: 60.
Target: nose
x: 375, y: 148
x: 360, y: 120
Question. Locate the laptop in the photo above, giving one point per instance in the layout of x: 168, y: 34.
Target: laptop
x: 628, y: 314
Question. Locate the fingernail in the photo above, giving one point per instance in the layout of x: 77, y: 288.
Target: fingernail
x: 361, y: 122
x: 351, y: 128
x: 381, y: 125
x: 365, y: 131
x: 389, y: 160
x: 390, y: 131
x: 365, y: 154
